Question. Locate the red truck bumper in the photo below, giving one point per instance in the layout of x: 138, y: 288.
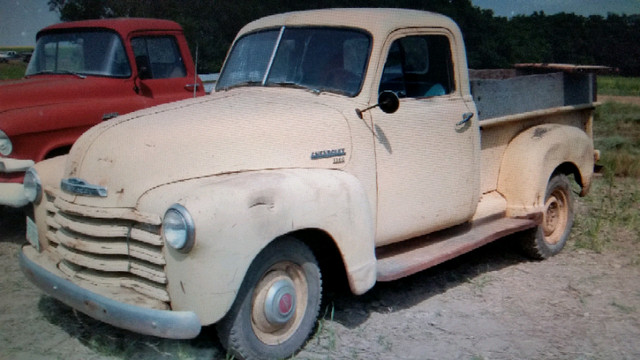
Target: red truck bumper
x: 11, y: 175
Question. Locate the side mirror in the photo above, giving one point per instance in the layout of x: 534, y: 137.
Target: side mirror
x: 388, y: 102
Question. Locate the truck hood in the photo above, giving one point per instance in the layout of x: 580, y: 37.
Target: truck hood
x: 240, y: 130
x: 36, y: 91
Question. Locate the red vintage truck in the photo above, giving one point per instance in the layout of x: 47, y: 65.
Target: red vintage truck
x: 82, y: 73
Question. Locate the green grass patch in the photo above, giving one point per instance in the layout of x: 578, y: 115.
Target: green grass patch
x: 617, y: 136
x: 12, y: 70
x: 16, y: 68
x: 618, y: 86
x: 16, y: 48
x: 609, y: 212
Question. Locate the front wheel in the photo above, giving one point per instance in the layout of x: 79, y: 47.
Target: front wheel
x: 277, y: 305
x: 550, y: 237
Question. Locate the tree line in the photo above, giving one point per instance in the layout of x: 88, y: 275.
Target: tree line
x: 492, y: 42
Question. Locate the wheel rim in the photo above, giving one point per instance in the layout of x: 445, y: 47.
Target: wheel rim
x: 279, y: 303
x: 556, y: 216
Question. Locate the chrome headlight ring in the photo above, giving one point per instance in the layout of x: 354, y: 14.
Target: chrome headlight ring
x: 32, y: 186
x: 178, y: 228
x: 6, y: 147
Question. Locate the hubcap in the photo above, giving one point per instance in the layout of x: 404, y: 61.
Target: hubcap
x: 279, y: 302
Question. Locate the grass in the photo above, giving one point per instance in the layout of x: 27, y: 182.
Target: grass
x: 14, y: 69
x: 618, y: 86
x: 612, y: 209
x: 617, y: 136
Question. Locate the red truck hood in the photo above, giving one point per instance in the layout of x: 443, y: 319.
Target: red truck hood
x: 37, y: 90
x: 39, y: 99
x: 241, y: 130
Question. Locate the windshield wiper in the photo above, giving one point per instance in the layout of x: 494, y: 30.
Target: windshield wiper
x: 61, y: 72
x: 288, y: 84
x: 244, y: 83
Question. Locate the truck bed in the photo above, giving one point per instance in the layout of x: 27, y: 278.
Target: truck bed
x: 530, y: 87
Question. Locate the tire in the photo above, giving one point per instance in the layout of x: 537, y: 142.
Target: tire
x: 551, y: 235
x: 277, y: 305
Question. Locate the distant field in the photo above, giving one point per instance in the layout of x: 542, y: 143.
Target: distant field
x: 618, y: 86
x: 14, y: 69
x: 16, y: 48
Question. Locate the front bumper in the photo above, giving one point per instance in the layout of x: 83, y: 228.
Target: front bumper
x: 12, y: 194
x: 162, y: 323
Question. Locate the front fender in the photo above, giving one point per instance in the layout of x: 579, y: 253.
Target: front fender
x: 237, y: 215
x: 531, y: 158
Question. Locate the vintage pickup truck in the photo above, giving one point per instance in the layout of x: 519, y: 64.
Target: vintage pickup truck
x: 83, y: 73
x: 333, y: 151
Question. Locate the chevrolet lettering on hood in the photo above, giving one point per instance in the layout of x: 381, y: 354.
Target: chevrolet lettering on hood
x: 325, y: 154
x: 81, y: 187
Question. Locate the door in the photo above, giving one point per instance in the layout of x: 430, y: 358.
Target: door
x: 427, y: 170
x: 161, y: 70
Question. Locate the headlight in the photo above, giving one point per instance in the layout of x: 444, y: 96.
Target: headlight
x: 5, y: 144
x: 178, y: 229
x: 32, y: 186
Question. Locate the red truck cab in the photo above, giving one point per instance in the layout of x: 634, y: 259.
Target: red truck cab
x: 82, y: 73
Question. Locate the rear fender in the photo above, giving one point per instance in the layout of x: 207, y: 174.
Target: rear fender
x: 532, y: 157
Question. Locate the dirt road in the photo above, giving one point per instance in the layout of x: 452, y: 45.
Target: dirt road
x: 490, y: 304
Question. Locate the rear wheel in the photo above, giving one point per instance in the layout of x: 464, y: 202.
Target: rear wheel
x: 550, y: 237
x: 277, y: 305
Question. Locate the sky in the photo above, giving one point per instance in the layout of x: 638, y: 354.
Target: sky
x: 20, y: 20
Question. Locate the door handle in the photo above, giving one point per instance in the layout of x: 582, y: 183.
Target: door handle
x: 465, y: 118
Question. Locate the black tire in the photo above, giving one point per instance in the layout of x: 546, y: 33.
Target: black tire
x: 551, y: 235
x: 286, y: 276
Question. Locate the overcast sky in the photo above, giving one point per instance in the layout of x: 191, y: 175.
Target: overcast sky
x: 20, y: 20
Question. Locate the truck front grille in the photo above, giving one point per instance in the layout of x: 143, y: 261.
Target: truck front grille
x: 111, y: 247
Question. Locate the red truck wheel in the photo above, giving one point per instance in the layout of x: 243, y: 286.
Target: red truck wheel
x: 277, y: 305
x: 550, y: 237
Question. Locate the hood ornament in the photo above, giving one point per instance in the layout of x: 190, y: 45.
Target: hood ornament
x: 78, y: 186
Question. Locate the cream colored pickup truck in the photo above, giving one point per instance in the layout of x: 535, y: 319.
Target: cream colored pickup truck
x: 340, y: 145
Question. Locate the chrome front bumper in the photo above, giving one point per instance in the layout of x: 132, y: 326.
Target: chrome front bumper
x: 12, y: 194
x: 162, y: 323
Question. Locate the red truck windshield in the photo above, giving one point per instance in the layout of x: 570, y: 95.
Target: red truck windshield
x: 99, y: 53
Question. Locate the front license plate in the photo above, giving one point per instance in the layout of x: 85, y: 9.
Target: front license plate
x: 32, y: 233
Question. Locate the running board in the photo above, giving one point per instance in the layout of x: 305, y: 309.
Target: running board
x: 411, y: 256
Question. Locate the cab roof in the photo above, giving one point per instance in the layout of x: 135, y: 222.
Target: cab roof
x: 378, y: 21
x: 121, y: 25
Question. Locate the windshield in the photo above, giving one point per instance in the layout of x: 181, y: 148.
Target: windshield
x: 319, y: 59
x: 84, y: 53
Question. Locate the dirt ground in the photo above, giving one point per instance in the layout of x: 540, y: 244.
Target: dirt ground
x: 492, y: 303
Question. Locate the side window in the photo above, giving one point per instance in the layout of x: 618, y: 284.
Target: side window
x: 158, y: 57
x: 418, y: 67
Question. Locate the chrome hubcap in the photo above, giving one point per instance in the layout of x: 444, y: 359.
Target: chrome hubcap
x: 280, y: 303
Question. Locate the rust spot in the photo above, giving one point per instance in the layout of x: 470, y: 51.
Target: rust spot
x: 539, y: 133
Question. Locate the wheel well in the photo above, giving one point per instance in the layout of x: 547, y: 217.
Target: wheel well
x: 569, y: 169
x: 58, y: 151
x: 328, y: 256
